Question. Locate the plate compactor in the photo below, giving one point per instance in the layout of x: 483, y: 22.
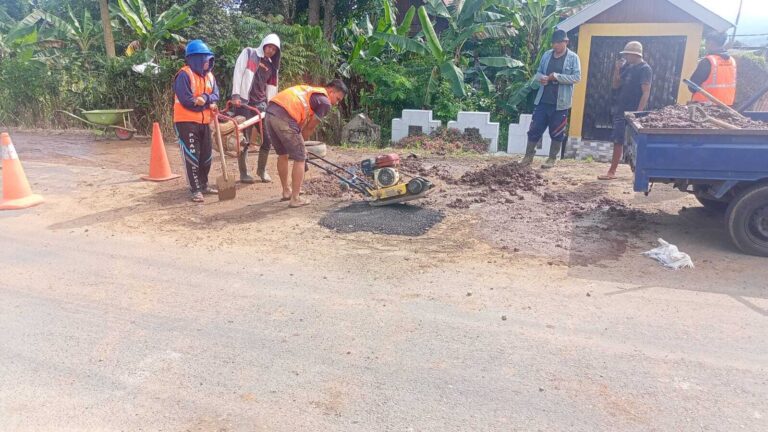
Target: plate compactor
x: 378, y: 179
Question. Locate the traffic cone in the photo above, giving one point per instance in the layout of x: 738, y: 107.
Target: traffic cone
x: 159, y: 168
x: 16, y: 192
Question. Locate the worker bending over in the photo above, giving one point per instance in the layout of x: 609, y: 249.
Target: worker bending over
x: 292, y: 116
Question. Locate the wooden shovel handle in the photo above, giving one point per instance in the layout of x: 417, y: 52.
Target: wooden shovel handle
x: 714, y: 100
x: 220, y: 144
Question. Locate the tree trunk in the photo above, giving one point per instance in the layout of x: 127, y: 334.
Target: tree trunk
x: 329, y: 19
x: 314, y: 12
x: 109, y: 40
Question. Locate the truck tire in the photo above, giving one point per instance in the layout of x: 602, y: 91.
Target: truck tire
x: 747, y: 220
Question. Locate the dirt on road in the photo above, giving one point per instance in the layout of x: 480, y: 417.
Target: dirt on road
x: 563, y: 215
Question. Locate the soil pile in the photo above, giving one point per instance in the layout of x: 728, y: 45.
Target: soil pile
x: 444, y: 140
x: 411, y: 165
x: 678, y: 117
x: 325, y: 186
x: 508, y: 176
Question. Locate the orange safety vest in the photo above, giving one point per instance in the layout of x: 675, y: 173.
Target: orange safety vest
x: 199, y: 85
x: 721, y: 82
x: 295, y: 101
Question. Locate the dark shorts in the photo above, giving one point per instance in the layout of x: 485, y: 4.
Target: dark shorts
x: 284, y: 139
x: 619, y: 133
x: 547, y: 116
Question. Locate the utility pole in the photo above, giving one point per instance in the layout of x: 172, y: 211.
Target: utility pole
x: 736, y: 24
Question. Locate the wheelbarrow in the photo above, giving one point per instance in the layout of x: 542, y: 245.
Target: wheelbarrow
x: 108, y: 119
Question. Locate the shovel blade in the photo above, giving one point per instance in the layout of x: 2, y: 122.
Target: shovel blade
x: 226, y: 188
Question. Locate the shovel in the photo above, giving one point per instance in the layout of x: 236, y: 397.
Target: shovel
x: 698, y: 115
x: 224, y: 183
x: 713, y: 99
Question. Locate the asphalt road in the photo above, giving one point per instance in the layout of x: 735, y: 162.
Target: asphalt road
x: 113, y: 331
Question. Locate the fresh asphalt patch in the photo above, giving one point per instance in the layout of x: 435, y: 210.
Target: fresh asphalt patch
x: 397, y: 219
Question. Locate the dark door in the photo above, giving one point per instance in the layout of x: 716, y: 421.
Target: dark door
x: 663, y: 53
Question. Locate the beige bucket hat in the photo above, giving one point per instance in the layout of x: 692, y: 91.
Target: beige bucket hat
x: 633, y: 47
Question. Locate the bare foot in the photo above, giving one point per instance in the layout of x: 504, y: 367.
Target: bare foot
x: 286, y: 195
x: 299, y: 202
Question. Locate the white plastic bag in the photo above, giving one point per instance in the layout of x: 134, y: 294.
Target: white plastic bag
x: 146, y: 68
x: 668, y: 255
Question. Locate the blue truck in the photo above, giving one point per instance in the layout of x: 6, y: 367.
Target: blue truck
x: 727, y: 170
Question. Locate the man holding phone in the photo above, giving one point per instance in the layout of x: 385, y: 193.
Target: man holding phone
x: 559, y: 70
x: 631, y: 86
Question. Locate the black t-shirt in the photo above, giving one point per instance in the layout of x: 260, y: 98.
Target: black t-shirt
x: 630, y: 92
x: 264, y: 72
x: 319, y: 104
x: 550, y: 90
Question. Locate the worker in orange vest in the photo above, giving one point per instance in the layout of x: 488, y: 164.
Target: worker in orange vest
x: 196, y: 94
x: 716, y: 73
x: 292, y: 116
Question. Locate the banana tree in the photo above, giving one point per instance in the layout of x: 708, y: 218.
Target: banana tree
x: 151, y: 30
x: 363, y: 36
x: 83, y: 33
x: 468, y: 21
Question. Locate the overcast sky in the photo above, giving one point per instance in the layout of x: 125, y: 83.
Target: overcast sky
x: 754, y: 14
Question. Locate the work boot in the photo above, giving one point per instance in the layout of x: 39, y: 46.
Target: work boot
x: 530, y: 152
x: 554, y: 150
x: 261, y: 165
x: 241, y: 165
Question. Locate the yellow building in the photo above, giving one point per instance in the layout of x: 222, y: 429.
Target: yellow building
x: 671, y: 32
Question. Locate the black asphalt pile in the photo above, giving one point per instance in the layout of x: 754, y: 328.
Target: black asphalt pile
x: 396, y: 219
x: 508, y: 176
x: 678, y: 117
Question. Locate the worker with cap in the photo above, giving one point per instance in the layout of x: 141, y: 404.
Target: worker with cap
x: 254, y: 82
x: 558, y: 71
x: 631, y: 90
x: 195, y: 96
x: 292, y: 116
x: 716, y: 72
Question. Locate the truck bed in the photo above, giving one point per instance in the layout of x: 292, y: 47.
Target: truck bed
x: 707, y: 155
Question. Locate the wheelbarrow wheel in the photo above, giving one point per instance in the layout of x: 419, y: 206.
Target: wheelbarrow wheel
x: 123, y: 134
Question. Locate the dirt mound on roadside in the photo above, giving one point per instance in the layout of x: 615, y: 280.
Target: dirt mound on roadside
x: 411, y: 165
x: 444, y: 140
x: 511, y: 175
x: 678, y: 117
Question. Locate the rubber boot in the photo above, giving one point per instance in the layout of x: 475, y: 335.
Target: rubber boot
x: 241, y: 165
x: 530, y: 152
x: 261, y: 167
x: 554, y: 150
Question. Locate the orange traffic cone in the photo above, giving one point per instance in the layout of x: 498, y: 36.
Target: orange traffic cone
x: 16, y: 191
x: 159, y: 168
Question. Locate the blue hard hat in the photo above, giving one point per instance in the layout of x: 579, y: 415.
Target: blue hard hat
x: 197, y: 46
